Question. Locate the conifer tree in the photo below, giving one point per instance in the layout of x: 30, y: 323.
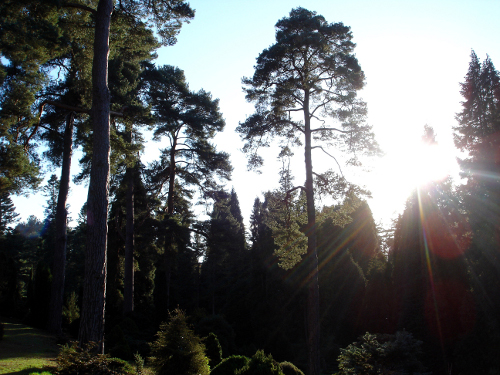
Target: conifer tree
x: 8, y: 215
x: 478, y: 135
x: 310, y: 71
x: 189, y: 121
x: 167, y: 16
x: 177, y: 350
x: 224, y: 251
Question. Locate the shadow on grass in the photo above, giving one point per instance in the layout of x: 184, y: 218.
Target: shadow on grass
x: 23, y: 341
x: 28, y: 371
x: 25, y: 350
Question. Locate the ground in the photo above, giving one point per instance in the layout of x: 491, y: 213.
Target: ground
x: 25, y: 350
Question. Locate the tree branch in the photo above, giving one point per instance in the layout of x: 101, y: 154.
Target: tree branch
x: 321, y: 177
x: 333, y: 157
x: 330, y: 129
x: 79, y: 6
x: 63, y: 106
x: 289, y: 192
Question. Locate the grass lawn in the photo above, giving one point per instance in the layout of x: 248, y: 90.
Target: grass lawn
x: 24, y: 350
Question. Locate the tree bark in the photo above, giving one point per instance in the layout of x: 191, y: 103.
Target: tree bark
x: 128, y: 295
x: 169, y: 238
x: 54, y: 324
x: 94, y: 291
x: 313, y: 331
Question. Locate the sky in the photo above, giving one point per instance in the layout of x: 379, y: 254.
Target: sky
x: 414, y: 55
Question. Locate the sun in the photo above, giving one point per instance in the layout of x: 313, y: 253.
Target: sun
x: 405, y: 167
x: 423, y: 163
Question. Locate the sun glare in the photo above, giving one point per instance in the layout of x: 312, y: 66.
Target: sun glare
x: 425, y: 163
x: 404, y: 168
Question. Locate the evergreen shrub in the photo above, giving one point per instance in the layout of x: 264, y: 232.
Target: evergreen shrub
x: 260, y: 364
x: 230, y: 365
x: 382, y: 354
x: 214, y: 350
x: 71, y: 311
x: 139, y: 364
x: 289, y: 368
x: 177, y: 350
x: 221, y: 328
x: 75, y: 360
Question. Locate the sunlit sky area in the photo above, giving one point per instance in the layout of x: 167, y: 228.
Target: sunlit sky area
x: 414, y: 55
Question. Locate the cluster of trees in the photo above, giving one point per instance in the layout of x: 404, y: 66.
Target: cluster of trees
x: 139, y: 251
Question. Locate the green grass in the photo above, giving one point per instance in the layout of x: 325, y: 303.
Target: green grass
x: 25, y: 350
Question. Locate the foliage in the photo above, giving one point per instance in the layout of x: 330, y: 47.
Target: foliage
x: 189, y: 120
x: 288, y: 216
x: 260, y: 364
x: 2, y: 331
x: 230, y: 365
x: 221, y: 328
x: 225, y: 250
x: 73, y: 359
x: 8, y: 215
x: 71, y: 311
x: 310, y: 68
x: 29, y: 38
x: 478, y: 135
x: 214, y: 350
x: 382, y: 354
x: 304, y: 89
x: 177, y: 350
x: 139, y: 364
x: 289, y: 368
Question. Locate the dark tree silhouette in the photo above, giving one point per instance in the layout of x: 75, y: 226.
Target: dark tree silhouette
x: 308, y: 78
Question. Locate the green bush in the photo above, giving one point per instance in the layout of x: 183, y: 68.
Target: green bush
x: 214, y: 350
x: 382, y: 354
x: 177, y: 350
x: 2, y: 330
x: 260, y: 364
x: 221, y: 328
x: 139, y: 364
x: 230, y: 365
x: 75, y: 360
x: 289, y: 368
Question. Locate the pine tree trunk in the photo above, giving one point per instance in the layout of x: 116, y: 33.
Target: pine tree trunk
x: 313, y: 329
x: 128, y: 301
x: 54, y: 323
x: 169, y: 238
x: 94, y: 291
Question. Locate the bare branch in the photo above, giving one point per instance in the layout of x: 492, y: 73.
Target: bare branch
x: 289, y: 192
x: 330, y: 129
x: 333, y: 157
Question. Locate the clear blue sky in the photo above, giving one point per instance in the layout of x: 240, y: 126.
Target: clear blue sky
x: 414, y: 54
